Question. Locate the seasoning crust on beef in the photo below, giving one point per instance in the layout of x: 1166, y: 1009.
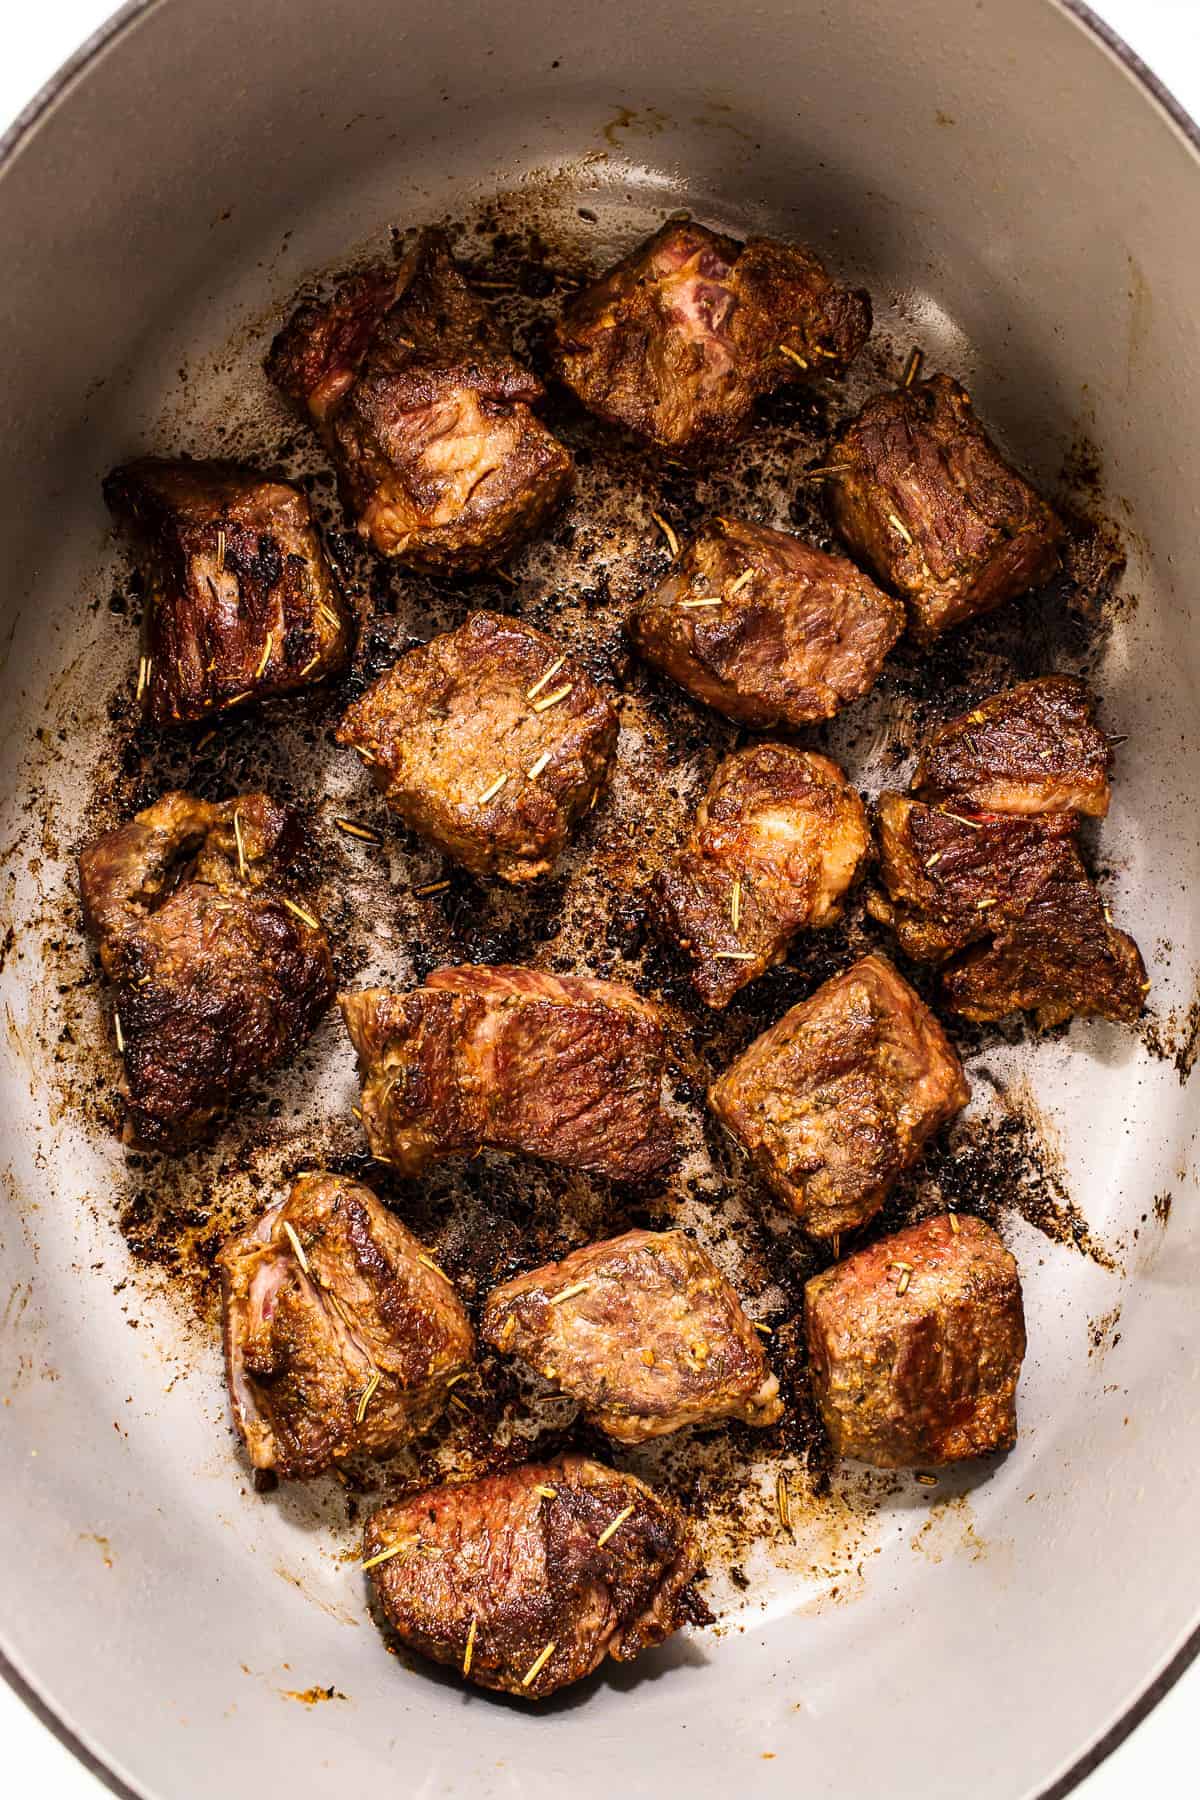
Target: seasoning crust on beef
x: 921, y: 495
x: 526, y: 1581
x: 915, y: 1346
x: 765, y: 628
x: 680, y: 337
x: 425, y: 412
x: 489, y: 742
x: 218, y: 973
x: 644, y: 1331
x: 342, y: 1336
x: 776, y: 842
x: 565, y: 1068
x: 240, y: 601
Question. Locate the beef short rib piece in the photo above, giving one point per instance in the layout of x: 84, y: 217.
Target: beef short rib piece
x: 922, y: 496
x: 838, y: 1099
x: 766, y: 628
x: 425, y: 413
x: 1033, y: 749
x: 219, y: 973
x: 558, y: 1066
x: 527, y: 1580
x: 680, y: 337
x: 489, y: 742
x: 342, y: 1336
x: 915, y: 1346
x: 778, y: 839
x: 643, y: 1331
x: 955, y: 878
x: 240, y: 603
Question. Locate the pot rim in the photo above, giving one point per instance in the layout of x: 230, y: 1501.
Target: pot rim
x: 11, y: 143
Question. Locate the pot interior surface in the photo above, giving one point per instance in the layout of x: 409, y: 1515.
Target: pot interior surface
x: 1012, y: 197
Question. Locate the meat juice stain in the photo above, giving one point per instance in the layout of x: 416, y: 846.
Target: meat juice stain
x: 312, y: 1696
x: 490, y: 1218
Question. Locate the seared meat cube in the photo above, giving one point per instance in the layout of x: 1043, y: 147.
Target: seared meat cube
x: 342, y: 1336
x: 924, y: 498
x: 425, y: 413
x: 219, y: 975
x: 240, y: 602
x: 488, y: 742
x: 527, y: 1580
x: 644, y: 1331
x: 680, y: 337
x: 557, y: 1066
x: 954, y: 878
x: 1018, y: 887
x: 838, y: 1099
x: 765, y: 628
x: 915, y: 1346
x: 1033, y: 749
x: 1061, y: 955
x: 778, y: 839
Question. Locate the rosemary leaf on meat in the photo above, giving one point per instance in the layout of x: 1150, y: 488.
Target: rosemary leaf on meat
x: 535, y: 1668
x: 306, y: 917
x: 614, y: 1525
x: 553, y: 699
x: 365, y: 1397
x: 543, y: 679
x: 489, y: 793
x: 297, y: 1247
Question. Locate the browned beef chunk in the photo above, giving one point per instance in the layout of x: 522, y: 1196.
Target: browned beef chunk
x: 561, y: 1067
x: 955, y: 878
x: 679, y: 338
x: 219, y: 974
x: 1016, y: 888
x: 1061, y: 955
x: 915, y: 1346
x: 1032, y: 749
x: 778, y: 839
x: 765, y: 628
x: 318, y: 356
x: 644, y: 1331
x: 425, y: 412
x: 838, y: 1099
x: 490, y: 742
x: 924, y: 498
x: 527, y: 1580
x: 240, y: 602
x: 342, y: 1336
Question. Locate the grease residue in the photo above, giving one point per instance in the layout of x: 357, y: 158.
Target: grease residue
x: 1103, y: 1334
x: 949, y: 1530
x: 638, y: 121
x: 1174, y: 1036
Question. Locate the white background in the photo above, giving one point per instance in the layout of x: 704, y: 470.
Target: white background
x: 1161, y: 1753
